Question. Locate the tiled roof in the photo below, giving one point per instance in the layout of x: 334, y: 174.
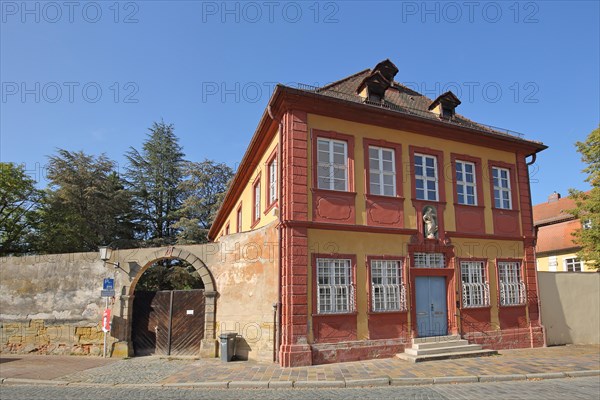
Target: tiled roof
x: 402, y: 99
x: 557, y: 236
x: 546, y: 213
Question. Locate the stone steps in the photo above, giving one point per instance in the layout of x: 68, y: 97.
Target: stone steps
x: 442, y: 348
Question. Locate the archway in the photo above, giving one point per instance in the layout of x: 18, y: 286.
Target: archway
x: 179, y: 322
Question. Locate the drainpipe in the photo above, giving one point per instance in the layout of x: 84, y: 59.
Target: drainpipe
x: 277, y: 311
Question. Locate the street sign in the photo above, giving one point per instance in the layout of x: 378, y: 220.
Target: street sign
x: 106, y: 320
x: 107, y: 293
x: 108, y: 284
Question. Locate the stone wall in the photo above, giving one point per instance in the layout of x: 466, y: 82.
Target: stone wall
x: 52, y: 305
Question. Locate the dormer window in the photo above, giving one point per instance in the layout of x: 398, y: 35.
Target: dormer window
x: 447, y: 112
x: 373, y: 87
x: 444, y: 105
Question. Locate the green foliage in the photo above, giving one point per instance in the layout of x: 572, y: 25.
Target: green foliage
x: 85, y: 206
x: 170, y: 275
x: 18, y: 201
x: 588, y: 203
x: 154, y: 175
x: 204, y: 189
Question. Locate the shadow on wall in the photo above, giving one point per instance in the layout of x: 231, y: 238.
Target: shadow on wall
x: 570, y: 307
x: 242, y: 349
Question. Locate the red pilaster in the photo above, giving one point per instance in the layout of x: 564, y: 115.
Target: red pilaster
x: 294, y: 350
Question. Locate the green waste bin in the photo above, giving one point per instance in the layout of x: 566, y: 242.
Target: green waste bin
x: 227, y: 341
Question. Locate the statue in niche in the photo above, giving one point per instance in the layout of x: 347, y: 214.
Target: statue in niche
x: 430, y: 222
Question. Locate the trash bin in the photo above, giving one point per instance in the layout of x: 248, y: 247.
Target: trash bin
x: 227, y: 341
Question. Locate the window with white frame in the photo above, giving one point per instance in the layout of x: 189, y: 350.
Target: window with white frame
x: 273, y: 181
x: 502, y: 197
x: 475, y: 289
x: 512, y: 288
x: 332, y: 164
x: 382, y: 171
x: 257, y: 201
x: 426, y: 177
x: 387, y: 289
x: 429, y: 260
x: 466, y: 189
x: 573, y: 265
x: 335, y: 290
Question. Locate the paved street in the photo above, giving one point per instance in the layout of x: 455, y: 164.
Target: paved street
x: 571, y: 388
x: 545, y: 373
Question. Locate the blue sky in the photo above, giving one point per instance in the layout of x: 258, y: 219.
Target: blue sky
x: 93, y: 76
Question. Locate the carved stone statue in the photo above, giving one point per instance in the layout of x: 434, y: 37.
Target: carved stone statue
x: 430, y: 222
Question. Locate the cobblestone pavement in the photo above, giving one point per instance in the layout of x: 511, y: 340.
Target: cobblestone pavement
x: 571, y: 388
x: 140, y: 370
x: 47, y: 367
x: 170, y: 371
x: 523, y: 361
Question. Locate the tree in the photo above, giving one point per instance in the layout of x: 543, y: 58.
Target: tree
x: 153, y: 176
x: 204, y: 190
x: 86, y: 204
x: 588, y: 203
x: 18, y: 201
x: 172, y: 274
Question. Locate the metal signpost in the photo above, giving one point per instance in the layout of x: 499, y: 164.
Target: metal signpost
x: 108, y: 290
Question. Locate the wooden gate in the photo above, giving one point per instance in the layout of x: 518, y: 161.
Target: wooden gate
x: 169, y: 322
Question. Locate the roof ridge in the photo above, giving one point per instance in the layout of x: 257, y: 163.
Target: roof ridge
x: 344, y: 79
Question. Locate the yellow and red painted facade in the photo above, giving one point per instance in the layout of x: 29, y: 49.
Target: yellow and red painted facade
x: 359, y: 226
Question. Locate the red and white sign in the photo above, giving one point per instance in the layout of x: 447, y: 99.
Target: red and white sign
x: 106, y: 320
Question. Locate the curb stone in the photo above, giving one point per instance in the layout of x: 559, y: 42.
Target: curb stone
x: 502, y: 378
x: 410, y: 381
x: 383, y: 381
x: 456, y: 379
x: 137, y: 385
x: 319, y: 384
x: 85, y: 384
x: 248, y: 384
x: 546, y: 375
x: 208, y: 385
x: 281, y: 384
x: 577, y: 374
x: 24, y: 381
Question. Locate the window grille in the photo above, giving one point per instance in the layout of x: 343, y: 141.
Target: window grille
x: 475, y: 289
x: 335, y: 289
x: 387, y: 289
x: 429, y: 260
x: 512, y: 288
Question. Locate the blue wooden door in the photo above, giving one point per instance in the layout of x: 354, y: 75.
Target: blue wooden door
x: 432, y: 313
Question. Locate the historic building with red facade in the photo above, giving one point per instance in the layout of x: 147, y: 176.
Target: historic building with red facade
x: 397, y: 219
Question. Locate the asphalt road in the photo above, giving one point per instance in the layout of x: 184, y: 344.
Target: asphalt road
x: 569, y: 388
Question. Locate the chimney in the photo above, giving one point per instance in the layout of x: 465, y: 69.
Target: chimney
x: 554, y: 197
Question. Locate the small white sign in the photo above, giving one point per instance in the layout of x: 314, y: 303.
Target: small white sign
x: 190, y: 312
